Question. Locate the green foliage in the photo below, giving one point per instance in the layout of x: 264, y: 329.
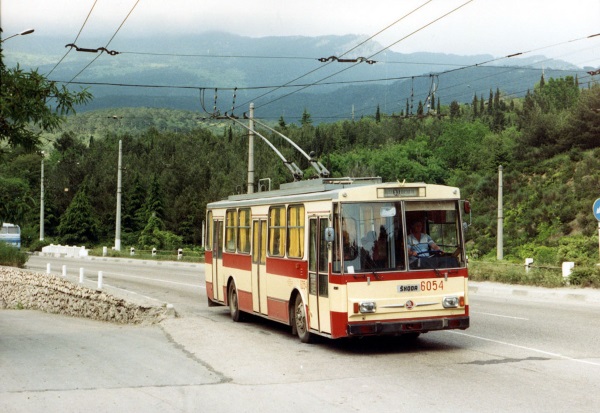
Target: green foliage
x: 175, y: 169
x: 153, y: 236
x: 24, y: 98
x: 11, y: 256
x: 507, y: 273
x: 79, y: 225
x: 585, y: 277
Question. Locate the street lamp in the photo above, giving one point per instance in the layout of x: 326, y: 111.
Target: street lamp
x: 42, y: 200
x: 23, y: 33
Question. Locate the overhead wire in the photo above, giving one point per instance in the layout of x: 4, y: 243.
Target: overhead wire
x: 343, y: 54
x: 370, y: 57
x: 107, y: 44
x: 76, y: 38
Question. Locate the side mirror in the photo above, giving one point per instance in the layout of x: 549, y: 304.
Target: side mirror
x: 329, y: 234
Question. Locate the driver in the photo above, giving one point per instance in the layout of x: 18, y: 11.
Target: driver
x: 420, y: 244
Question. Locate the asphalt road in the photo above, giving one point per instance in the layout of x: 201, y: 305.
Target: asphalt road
x: 528, y: 350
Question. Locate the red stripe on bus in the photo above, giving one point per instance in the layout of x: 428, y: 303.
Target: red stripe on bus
x: 238, y: 261
x: 278, y: 310
x: 287, y: 267
x: 245, y: 301
x: 339, y: 323
x: 396, y: 276
x: 208, y: 255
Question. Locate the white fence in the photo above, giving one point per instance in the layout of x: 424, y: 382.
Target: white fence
x: 64, y: 250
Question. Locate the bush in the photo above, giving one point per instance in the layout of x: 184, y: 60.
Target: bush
x: 585, y: 277
x: 581, y: 250
x: 37, y: 245
x: 11, y: 256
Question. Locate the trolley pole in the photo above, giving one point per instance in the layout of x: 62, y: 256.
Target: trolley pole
x: 251, y: 150
x: 118, y: 219
x: 500, y: 238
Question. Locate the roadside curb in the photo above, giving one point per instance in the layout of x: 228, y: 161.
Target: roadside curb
x: 579, y: 295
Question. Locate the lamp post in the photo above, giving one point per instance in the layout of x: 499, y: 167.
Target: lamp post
x: 23, y: 33
x: 118, y: 218
x: 42, y: 200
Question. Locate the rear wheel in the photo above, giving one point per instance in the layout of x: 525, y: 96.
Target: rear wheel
x: 300, y: 321
x: 234, y: 307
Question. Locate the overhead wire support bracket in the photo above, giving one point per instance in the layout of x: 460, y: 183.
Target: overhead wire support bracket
x: 337, y: 59
x: 296, y: 172
x: 318, y: 166
x: 83, y: 49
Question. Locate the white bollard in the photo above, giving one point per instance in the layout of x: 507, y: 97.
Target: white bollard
x: 132, y: 251
x: 48, y: 268
x: 64, y: 270
x: 528, y: 262
x: 179, y: 253
x: 81, y: 275
x: 99, y: 280
x: 154, y: 252
x: 104, y: 251
x: 567, y: 268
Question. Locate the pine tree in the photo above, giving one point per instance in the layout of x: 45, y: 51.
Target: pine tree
x: 305, y: 121
x: 475, y: 105
x: 282, y: 124
x: 420, y: 109
x: 154, y: 203
x: 79, y: 225
x: 377, y: 115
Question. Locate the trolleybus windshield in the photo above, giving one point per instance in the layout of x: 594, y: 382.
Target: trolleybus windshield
x: 376, y: 236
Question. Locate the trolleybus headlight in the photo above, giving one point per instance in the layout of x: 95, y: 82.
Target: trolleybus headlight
x: 450, y: 302
x: 367, y: 307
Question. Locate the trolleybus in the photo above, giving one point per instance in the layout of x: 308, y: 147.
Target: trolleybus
x: 331, y: 257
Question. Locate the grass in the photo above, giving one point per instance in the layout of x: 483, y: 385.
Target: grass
x: 11, y: 256
x: 550, y: 277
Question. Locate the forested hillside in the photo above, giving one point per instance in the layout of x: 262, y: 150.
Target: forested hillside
x: 175, y: 162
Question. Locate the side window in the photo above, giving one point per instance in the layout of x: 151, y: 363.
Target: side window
x: 230, y: 230
x: 295, y: 224
x: 244, y: 230
x: 209, y: 231
x: 277, y: 231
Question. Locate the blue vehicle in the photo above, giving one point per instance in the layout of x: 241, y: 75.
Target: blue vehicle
x: 11, y: 234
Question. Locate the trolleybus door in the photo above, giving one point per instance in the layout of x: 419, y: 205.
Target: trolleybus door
x: 259, y: 272
x: 318, y: 281
x: 217, y: 264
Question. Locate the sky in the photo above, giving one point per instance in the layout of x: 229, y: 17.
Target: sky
x: 496, y: 27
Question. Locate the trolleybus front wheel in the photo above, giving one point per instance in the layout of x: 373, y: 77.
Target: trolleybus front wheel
x: 301, y: 321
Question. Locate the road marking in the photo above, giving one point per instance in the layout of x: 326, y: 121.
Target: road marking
x: 525, y: 348
x: 499, y: 315
x: 154, y: 279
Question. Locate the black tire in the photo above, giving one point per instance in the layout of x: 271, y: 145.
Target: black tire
x: 234, y: 306
x: 300, y: 321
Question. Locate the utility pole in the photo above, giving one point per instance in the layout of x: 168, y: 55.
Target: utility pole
x: 500, y: 239
x: 42, y: 201
x: 251, y: 150
x: 118, y: 220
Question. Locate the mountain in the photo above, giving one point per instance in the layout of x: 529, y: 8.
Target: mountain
x: 281, y: 75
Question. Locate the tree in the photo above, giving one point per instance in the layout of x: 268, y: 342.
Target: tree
x: 30, y: 104
x: 475, y: 105
x: 306, y: 120
x: 79, y: 224
x: 377, y: 115
x: 454, y: 110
